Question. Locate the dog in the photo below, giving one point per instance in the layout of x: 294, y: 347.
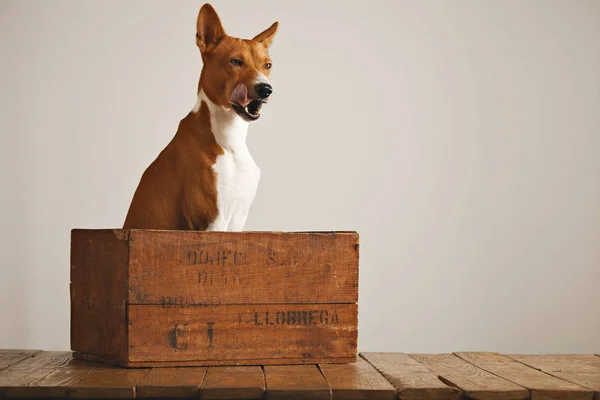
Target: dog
x: 205, y: 178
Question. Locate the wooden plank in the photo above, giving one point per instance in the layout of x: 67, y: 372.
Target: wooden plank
x: 357, y: 381
x: 473, y: 381
x: 108, y: 383
x: 411, y: 379
x: 187, y: 267
x: 99, y: 260
x: 99, y: 264
x: 583, y: 370
x: 541, y: 386
x: 99, y: 330
x: 242, y: 332
x: 46, y: 382
x: 296, y: 382
x: 16, y: 372
x: 204, y: 363
x: 559, y: 362
x: 57, y: 373
x: 171, y: 383
x: 10, y: 357
x: 233, y: 383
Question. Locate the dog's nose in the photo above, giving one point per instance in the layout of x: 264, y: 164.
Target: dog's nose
x: 264, y: 90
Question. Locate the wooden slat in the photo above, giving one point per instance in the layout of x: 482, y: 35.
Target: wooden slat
x: 583, y: 370
x: 171, y: 383
x: 99, y: 261
x: 185, y: 267
x: 16, y: 372
x: 47, y: 382
x: 108, y: 383
x: 233, y: 383
x: 473, y: 381
x: 296, y: 382
x: 204, y: 363
x: 411, y: 380
x: 541, y: 386
x: 235, y: 333
x: 99, y: 330
x: 357, y: 381
x: 10, y: 357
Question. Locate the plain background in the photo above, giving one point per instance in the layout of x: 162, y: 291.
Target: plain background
x: 460, y: 138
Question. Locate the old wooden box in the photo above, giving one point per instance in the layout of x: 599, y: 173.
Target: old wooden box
x: 175, y: 298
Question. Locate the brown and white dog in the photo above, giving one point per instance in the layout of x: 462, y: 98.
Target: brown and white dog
x: 205, y: 178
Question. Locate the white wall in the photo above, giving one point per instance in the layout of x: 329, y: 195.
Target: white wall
x: 459, y: 138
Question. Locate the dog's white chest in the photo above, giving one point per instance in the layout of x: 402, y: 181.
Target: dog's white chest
x: 237, y: 179
x: 236, y: 173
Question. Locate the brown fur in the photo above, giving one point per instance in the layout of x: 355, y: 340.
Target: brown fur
x: 178, y: 190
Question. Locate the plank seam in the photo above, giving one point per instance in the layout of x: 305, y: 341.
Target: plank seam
x: 126, y: 322
x: 182, y: 305
x: 318, y: 366
x: 528, y: 389
x: 262, y: 368
x: 21, y: 359
x: 69, y: 388
x: 448, y: 382
x: 458, y: 395
x: 445, y: 381
x: 548, y: 373
x: 242, y: 359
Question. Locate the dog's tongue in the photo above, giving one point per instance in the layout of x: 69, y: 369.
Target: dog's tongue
x: 239, y: 95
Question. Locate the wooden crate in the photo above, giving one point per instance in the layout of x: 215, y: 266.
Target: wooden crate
x: 148, y: 298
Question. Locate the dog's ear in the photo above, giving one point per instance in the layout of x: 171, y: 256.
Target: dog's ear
x: 209, y: 30
x: 266, y: 37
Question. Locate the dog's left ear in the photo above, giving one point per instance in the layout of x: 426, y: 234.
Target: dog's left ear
x: 266, y: 37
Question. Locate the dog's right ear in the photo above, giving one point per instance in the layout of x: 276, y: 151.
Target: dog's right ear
x: 209, y: 30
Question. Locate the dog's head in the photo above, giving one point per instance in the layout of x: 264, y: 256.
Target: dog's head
x: 236, y: 71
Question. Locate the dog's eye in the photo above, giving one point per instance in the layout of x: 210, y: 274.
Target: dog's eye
x: 268, y: 65
x: 237, y: 62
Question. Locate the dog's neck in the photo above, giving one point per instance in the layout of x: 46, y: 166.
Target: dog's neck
x: 229, y: 129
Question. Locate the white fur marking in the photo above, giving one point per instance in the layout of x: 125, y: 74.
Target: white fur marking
x: 237, y: 174
x: 261, y: 78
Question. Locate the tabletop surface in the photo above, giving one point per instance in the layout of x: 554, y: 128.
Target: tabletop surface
x: 477, y: 375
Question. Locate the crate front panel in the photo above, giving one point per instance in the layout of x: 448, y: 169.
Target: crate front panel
x: 184, y: 267
x: 242, y: 332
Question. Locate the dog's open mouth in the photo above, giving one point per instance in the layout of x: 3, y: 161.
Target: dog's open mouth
x: 251, y: 112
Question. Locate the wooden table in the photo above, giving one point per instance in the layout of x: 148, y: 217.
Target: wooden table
x: 40, y: 374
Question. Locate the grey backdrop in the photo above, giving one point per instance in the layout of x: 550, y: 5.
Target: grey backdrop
x: 460, y: 138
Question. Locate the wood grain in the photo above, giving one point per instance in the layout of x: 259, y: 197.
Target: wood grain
x: 100, y: 330
x: 541, y: 386
x: 242, y: 332
x: 17, y: 374
x: 187, y: 267
x: 108, y: 383
x: 205, y: 363
x: 114, y: 272
x: 10, y: 357
x: 233, y: 383
x: 99, y: 264
x: 171, y: 383
x: 583, y: 370
x: 296, y: 382
x: 473, y: 381
x: 357, y: 381
x: 47, y: 382
x: 412, y: 380
x: 20, y: 370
